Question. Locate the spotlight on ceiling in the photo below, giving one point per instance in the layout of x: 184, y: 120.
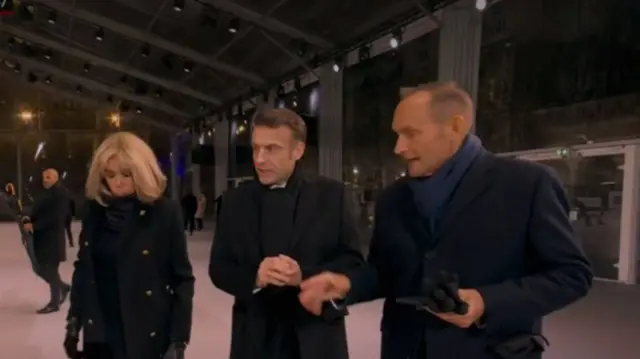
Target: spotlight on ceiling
x: 396, y: 39
x: 11, y: 41
x: 79, y: 89
x: 17, y: 68
x: 234, y: 25
x: 145, y: 50
x: 178, y: 5
x: 87, y: 67
x: 53, y: 18
x: 48, y: 54
x: 337, y: 64
x: 138, y: 110
x: 481, y: 5
x: 188, y: 67
x: 302, y: 49
x: 48, y: 80
x: 159, y: 93
x: 99, y: 34
x: 364, y: 53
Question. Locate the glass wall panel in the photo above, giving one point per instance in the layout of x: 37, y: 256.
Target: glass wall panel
x: 371, y: 93
x: 594, y: 187
x: 559, y: 73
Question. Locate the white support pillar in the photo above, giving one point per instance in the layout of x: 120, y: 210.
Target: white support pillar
x: 221, y: 156
x: 194, y: 169
x: 460, y: 43
x: 174, y: 158
x: 330, y: 123
x: 629, y: 234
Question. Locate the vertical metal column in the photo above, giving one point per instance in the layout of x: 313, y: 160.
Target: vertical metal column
x: 330, y: 123
x: 221, y: 156
x: 19, y: 165
x: 174, y: 157
x: 629, y: 233
x: 460, y: 43
x: 194, y: 168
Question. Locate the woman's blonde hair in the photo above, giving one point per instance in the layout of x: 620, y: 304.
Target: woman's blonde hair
x: 133, y: 154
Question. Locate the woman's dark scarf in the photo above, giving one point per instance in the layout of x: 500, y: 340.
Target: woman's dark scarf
x: 119, y: 211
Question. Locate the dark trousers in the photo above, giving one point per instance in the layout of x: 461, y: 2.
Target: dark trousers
x: 67, y: 228
x: 189, y: 222
x: 101, y: 351
x: 199, y: 224
x: 50, y: 273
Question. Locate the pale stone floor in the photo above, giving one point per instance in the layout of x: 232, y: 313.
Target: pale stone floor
x: 605, y: 325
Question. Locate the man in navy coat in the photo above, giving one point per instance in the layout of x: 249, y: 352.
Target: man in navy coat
x: 500, y: 224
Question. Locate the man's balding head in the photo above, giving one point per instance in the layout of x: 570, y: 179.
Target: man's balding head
x: 432, y: 121
x: 49, y: 177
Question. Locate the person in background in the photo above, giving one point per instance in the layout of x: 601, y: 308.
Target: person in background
x: 69, y: 220
x: 199, y: 215
x: 189, y: 208
x: 497, y: 229
x: 132, y: 293
x: 15, y: 205
x: 275, y: 232
x: 46, y: 222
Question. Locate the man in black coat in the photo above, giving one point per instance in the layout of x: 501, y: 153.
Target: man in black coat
x: 497, y: 228
x: 272, y: 234
x: 189, y: 208
x: 47, y: 223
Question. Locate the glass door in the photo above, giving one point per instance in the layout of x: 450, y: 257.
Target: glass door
x: 593, y: 180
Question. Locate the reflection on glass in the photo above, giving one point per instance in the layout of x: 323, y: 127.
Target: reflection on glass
x: 545, y: 84
x: 594, y: 187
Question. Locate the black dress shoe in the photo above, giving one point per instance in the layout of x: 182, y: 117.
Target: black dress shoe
x: 65, y: 294
x: 48, y: 309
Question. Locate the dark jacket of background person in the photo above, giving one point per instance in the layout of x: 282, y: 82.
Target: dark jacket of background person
x: 150, y: 304
x: 48, y: 216
x: 506, y: 232
x: 325, y: 237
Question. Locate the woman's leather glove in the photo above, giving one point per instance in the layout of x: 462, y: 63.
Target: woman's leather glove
x: 71, y: 339
x: 175, y: 351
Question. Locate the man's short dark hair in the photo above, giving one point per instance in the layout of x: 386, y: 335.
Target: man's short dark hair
x: 279, y: 117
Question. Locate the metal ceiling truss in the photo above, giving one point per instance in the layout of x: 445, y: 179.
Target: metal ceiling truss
x: 268, y: 23
x: 98, y: 61
x: 86, y: 100
x: 152, y: 40
x: 245, y: 31
x: 94, y: 85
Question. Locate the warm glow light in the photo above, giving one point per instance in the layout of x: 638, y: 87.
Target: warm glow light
x: 26, y: 116
x: 241, y: 129
x: 115, y: 119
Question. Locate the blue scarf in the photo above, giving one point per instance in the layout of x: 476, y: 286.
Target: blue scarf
x: 432, y: 194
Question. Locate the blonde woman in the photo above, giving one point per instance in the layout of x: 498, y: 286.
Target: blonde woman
x: 132, y: 288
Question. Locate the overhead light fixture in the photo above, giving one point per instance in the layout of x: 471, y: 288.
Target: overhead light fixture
x: 159, y: 93
x: 396, y: 39
x: 139, y: 110
x: 48, y: 54
x: 337, y: 64
x: 53, y: 18
x: 234, y: 25
x: 17, y: 68
x: 481, y: 4
x: 188, y: 67
x: 79, y: 89
x: 87, y: 67
x: 302, y: 49
x: 26, y: 116
x: 48, y: 80
x: 11, y: 41
x: 178, y: 5
x: 115, y: 119
x: 364, y: 53
x: 280, y: 91
x: 99, y: 34
x: 145, y: 50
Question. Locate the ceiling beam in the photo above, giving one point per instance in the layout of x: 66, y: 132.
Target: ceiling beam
x: 98, y: 61
x: 153, y: 40
x: 268, y: 23
x: 86, y: 100
x: 94, y: 85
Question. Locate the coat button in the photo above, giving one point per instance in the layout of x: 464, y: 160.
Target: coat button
x: 152, y: 334
x: 148, y: 293
x: 145, y: 252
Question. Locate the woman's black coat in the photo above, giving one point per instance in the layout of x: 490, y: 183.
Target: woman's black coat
x: 155, y: 280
